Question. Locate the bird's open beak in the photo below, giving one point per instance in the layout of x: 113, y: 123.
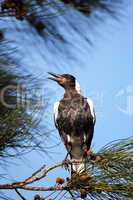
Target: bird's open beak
x: 54, y: 77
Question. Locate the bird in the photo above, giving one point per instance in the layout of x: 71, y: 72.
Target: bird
x: 75, y: 118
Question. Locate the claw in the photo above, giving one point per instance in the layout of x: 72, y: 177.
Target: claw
x: 66, y: 165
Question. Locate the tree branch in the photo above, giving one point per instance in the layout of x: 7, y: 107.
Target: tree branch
x: 36, y: 176
x: 107, y: 175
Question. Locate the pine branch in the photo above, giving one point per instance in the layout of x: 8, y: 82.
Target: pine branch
x: 99, y: 180
x: 22, y: 107
x: 44, y: 15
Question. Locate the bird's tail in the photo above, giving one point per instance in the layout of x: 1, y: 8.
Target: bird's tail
x: 79, y: 166
x: 76, y: 154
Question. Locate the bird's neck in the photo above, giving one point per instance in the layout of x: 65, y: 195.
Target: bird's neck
x: 70, y: 92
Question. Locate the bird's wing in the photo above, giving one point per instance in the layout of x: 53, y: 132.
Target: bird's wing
x: 62, y: 133
x: 91, y: 105
x: 56, y: 106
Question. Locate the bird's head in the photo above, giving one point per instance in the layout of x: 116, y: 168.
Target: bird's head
x: 67, y: 81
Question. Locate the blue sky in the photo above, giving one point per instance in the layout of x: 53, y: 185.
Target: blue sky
x: 105, y: 73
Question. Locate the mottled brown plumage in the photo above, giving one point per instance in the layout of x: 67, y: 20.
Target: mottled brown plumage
x: 74, y: 119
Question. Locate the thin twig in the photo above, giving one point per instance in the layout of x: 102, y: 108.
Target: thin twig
x: 20, y: 195
x: 72, y: 195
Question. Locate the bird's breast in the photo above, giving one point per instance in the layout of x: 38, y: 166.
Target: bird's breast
x: 73, y: 114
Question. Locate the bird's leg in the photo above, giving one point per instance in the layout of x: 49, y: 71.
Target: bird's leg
x: 66, y: 156
x: 84, y: 147
x: 65, y: 160
x: 84, y: 150
x: 69, y: 145
x: 84, y: 157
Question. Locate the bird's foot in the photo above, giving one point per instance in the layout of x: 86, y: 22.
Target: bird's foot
x: 65, y: 164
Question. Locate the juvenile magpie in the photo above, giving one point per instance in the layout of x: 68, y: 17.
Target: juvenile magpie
x: 74, y: 118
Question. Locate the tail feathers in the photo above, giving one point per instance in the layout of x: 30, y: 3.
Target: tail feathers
x: 79, y: 167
